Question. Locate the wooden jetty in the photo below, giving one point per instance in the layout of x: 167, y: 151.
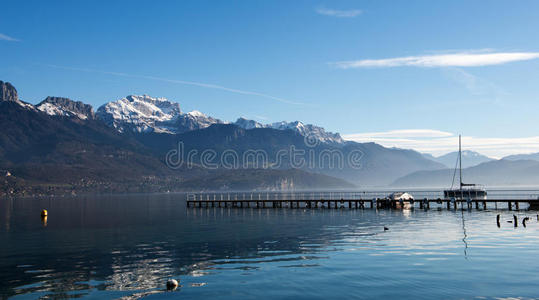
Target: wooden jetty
x: 348, y: 201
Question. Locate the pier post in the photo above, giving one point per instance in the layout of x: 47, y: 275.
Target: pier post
x: 516, y: 205
x: 509, y: 205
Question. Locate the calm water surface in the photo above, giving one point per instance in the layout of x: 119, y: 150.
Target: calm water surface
x: 128, y: 246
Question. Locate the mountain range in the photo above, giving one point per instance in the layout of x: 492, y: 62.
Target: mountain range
x: 64, y: 146
x: 530, y: 156
x: 501, y: 172
x: 469, y: 159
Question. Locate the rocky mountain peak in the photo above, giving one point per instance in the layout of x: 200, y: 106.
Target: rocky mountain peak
x: 248, y: 124
x: 304, y: 129
x: 66, y: 107
x: 140, y: 114
x: 8, y: 92
x: 148, y: 114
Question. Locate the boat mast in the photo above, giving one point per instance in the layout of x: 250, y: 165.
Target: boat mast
x: 460, y: 164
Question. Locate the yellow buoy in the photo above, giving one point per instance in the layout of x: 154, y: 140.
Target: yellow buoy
x: 44, y: 213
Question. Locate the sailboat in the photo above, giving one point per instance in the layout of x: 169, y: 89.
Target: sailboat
x: 465, y: 190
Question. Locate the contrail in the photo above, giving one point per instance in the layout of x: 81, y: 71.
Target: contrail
x: 184, y: 82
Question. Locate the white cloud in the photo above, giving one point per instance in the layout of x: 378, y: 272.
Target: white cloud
x: 439, y: 142
x: 350, y: 13
x: 461, y: 59
x: 4, y: 37
x: 404, y: 133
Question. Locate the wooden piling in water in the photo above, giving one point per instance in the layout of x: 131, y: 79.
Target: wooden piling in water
x: 296, y: 202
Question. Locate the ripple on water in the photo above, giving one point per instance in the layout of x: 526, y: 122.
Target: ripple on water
x: 231, y: 254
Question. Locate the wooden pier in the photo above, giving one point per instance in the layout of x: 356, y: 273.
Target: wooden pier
x: 306, y: 201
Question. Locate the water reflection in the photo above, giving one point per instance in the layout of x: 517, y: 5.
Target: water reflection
x: 465, y: 235
x: 127, y: 247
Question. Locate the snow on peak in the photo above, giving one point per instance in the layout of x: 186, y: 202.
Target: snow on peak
x: 148, y: 114
x: 196, y: 113
x: 140, y: 114
x: 301, y: 128
x: 8, y: 93
x: 58, y: 106
x: 53, y: 110
x: 248, y: 124
x: 469, y: 153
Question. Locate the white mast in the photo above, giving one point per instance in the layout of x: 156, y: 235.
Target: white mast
x: 460, y: 164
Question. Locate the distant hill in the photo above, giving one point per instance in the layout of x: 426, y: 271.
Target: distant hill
x: 532, y: 156
x: 494, y: 173
x: 59, y: 147
x: 469, y: 159
x: 61, y: 144
x: 379, y: 166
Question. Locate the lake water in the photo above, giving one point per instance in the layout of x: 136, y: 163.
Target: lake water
x: 128, y: 246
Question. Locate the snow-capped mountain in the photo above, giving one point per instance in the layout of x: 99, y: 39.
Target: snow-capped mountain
x: 194, y: 120
x: 304, y: 129
x: 140, y: 114
x: 249, y: 124
x: 57, y: 106
x: 148, y: 114
x: 309, y: 130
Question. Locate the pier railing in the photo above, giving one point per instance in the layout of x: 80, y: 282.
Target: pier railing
x: 502, y: 194
x: 358, y: 199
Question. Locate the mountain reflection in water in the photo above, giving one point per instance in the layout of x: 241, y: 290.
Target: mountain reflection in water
x: 128, y: 246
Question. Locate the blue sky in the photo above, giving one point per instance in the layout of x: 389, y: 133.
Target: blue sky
x: 411, y: 74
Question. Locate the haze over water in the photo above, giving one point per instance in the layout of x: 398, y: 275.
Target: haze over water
x: 128, y: 246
